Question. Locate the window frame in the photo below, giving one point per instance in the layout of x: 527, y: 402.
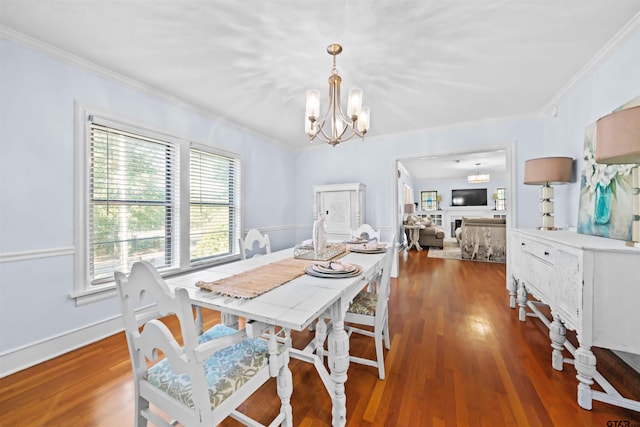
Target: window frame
x: 236, y: 194
x: 84, y: 291
x: 501, y: 200
x: 425, y: 204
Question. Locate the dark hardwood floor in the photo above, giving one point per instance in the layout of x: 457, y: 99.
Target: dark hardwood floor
x: 459, y: 357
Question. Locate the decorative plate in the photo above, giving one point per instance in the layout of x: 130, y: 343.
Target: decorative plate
x: 311, y: 271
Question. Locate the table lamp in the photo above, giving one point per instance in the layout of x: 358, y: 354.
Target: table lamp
x: 438, y: 200
x: 409, y: 208
x: 546, y: 171
x: 618, y: 142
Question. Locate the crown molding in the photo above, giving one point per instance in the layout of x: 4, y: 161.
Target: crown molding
x: 39, y: 46
x: 598, y: 59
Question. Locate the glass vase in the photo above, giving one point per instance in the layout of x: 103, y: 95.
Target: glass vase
x: 319, y: 235
x: 602, y: 205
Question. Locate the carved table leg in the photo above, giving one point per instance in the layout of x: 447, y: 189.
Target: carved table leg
x: 284, y: 381
x: 558, y: 335
x: 522, y: 302
x: 230, y: 320
x: 321, y: 336
x: 585, y: 362
x: 415, y: 238
x: 512, y: 285
x: 338, y: 364
x: 199, y: 320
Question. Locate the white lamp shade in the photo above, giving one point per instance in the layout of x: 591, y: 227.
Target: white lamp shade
x: 313, y: 103
x: 364, y: 119
x: 354, y: 105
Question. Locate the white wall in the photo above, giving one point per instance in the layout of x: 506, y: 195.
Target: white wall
x: 444, y: 187
x: 372, y: 162
x: 37, y: 96
x: 614, y: 82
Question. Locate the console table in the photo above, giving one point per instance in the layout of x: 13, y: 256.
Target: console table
x: 414, y: 236
x: 592, y: 286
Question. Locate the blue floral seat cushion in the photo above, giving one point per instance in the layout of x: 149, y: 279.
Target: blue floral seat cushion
x: 364, y: 303
x: 226, y: 371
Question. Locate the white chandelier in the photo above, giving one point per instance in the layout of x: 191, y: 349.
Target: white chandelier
x: 478, y: 178
x: 340, y: 127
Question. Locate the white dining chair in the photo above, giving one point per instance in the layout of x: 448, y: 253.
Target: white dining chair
x: 205, y: 380
x: 369, y: 230
x: 254, y: 236
x: 371, y: 234
x: 371, y: 308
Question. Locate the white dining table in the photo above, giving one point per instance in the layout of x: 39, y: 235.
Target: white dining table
x: 296, y: 305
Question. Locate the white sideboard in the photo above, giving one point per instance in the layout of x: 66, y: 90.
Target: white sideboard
x: 342, y: 206
x: 592, y: 286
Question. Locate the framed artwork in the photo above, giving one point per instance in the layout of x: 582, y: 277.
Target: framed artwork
x: 605, y: 192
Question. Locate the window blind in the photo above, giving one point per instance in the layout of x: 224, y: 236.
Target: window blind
x: 133, y: 201
x: 214, y: 194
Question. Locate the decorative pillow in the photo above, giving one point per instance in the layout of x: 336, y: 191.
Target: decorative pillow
x: 412, y: 219
x: 427, y: 222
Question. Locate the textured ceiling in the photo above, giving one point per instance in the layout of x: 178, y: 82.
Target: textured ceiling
x: 420, y: 64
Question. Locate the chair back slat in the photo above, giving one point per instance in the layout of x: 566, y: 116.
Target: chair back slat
x: 384, y: 285
x: 144, y: 298
x: 369, y: 230
x: 254, y: 236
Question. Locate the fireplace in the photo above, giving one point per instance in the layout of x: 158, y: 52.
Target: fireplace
x: 455, y: 224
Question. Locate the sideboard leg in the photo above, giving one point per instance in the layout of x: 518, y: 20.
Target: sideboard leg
x: 558, y: 335
x: 522, y: 302
x: 585, y: 362
x: 512, y: 285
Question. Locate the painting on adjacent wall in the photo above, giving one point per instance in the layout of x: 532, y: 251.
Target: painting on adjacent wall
x: 605, y: 192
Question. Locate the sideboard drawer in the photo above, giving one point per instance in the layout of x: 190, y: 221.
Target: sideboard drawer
x: 539, y: 250
x: 536, y: 275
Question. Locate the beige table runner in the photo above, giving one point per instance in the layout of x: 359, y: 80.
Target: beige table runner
x: 252, y: 283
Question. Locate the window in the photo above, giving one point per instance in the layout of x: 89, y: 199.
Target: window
x: 133, y: 201
x: 213, y: 202
x: 407, y: 194
x: 500, y: 197
x: 428, y: 200
x: 133, y: 181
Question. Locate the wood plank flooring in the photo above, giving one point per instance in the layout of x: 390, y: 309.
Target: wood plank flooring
x: 459, y: 357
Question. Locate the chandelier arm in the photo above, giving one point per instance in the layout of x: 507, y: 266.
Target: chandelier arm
x: 334, y: 112
x: 326, y: 138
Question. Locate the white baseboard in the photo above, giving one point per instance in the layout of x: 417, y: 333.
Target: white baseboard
x: 630, y: 359
x: 30, y: 355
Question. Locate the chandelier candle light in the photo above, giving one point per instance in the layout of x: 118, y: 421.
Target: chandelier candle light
x: 340, y: 127
x: 545, y: 171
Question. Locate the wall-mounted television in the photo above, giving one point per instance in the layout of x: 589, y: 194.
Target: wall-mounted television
x: 469, y: 197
